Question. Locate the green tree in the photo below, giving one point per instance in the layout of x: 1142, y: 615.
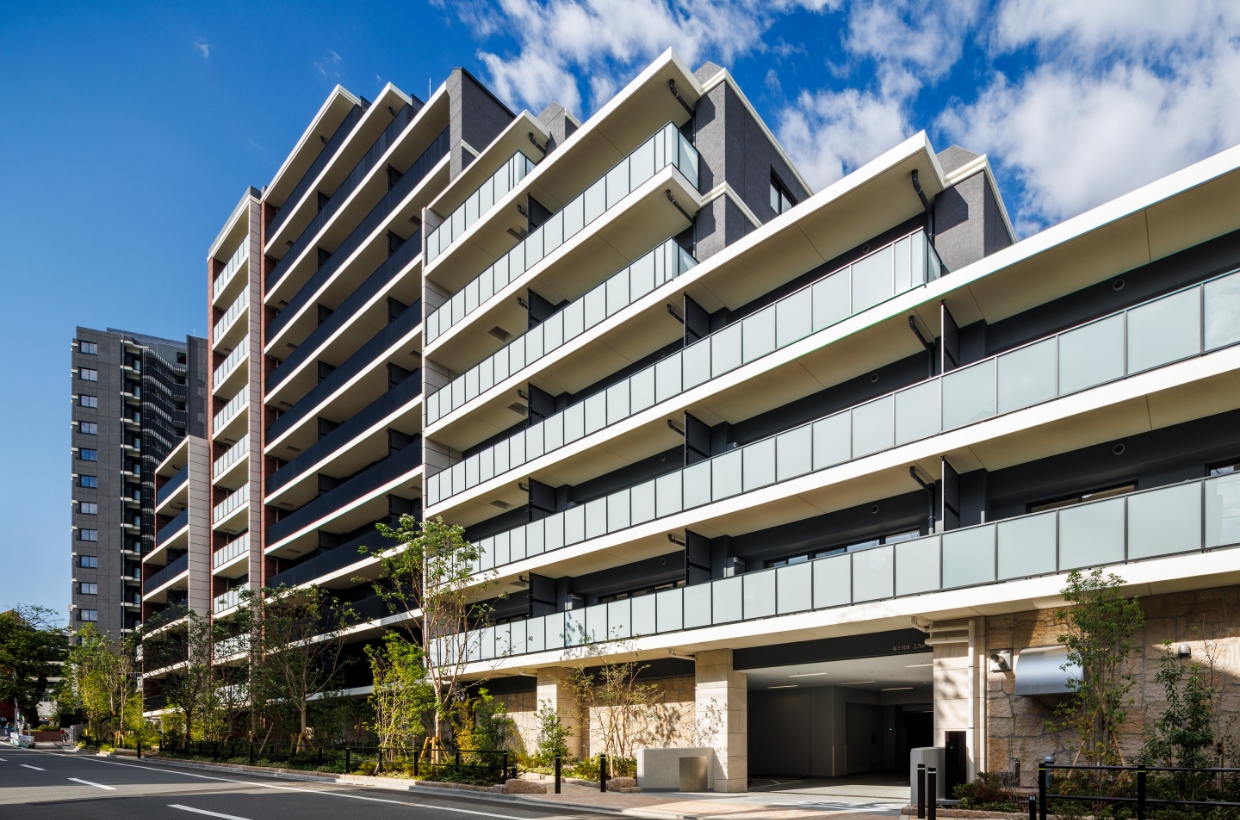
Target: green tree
x: 402, y: 698
x: 101, y: 678
x: 612, y: 693
x: 1100, y: 623
x: 429, y: 582
x: 32, y: 649
x: 552, y: 735
x: 182, y: 654
x: 1183, y: 736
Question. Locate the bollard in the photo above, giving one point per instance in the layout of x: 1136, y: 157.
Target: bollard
x: 557, y: 774
x: 138, y: 743
x: 347, y: 769
x: 1033, y: 808
x: 932, y: 786
x: 251, y: 753
x: 602, y: 773
x: 921, y: 790
x: 1042, y: 775
x: 1141, y: 792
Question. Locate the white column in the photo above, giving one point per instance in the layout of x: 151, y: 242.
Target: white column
x: 722, y: 706
x: 553, y: 688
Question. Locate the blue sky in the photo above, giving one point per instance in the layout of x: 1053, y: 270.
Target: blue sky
x: 131, y: 130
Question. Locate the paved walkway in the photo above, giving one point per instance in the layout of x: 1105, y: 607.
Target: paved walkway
x: 751, y: 806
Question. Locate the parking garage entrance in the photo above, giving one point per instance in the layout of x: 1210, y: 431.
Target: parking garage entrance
x: 839, y: 707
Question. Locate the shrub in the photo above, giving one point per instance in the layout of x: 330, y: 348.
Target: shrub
x: 987, y: 793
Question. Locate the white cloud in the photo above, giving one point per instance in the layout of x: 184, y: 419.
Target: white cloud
x: 1122, y: 95
x: 204, y: 47
x: 827, y: 133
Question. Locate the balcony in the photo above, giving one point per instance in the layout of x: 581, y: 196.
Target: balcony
x: 312, y: 291
x: 167, y: 531
x: 228, y: 600
x: 1150, y: 335
x: 222, y: 471
x: 647, y: 274
x: 227, y: 561
x: 1193, y: 517
x: 667, y: 147
x: 309, y: 460
x: 382, y: 477
x: 375, y: 352
x: 310, y: 235
x: 903, y: 265
x: 171, y: 486
x: 478, y: 204
x: 230, y: 411
x: 220, y: 336
x: 333, y: 561
x: 311, y: 176
x: 165, y: 575
x: 231, y: 514
x: 232, y: 364
x: 226, y: 276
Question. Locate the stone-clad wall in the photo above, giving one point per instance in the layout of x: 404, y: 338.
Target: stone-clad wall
x: 673, y: 723
x: 1208, y: 620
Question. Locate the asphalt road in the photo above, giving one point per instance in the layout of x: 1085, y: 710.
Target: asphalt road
x: 52, y: 785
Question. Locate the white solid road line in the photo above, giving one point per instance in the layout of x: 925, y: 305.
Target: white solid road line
x: 27, y: 766
x: 208, y: 813
x: 89, y: 783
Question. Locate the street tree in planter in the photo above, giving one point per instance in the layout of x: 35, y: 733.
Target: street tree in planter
x: 31, y: 649
x: 101, y: 679
x: 428, y: 579
x: 185, y: 650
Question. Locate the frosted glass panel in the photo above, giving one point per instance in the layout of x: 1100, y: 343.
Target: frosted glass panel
x: 1091, y: 535
x: 642, y: 502
x: 969, y: 557
x: 794, y: 452
x: 917, y: 565
x: 759, y: 594
x: 873, y: 427
x: 794, y: 318
x: 669, y: 610
x: 872, y: 280
x: 668, y: 494
x: 832, y: 440
x: 873, y: 574
x: 1223, y: 311
x: 643, y: 614
x: 758, y: 461
x: 795, y: 586
x: 832, y: 581
x: 1027, y: 376
x: 1223, y: 511
x: 696, y: 360
x: 969, y: 395
x: 832, y: 300
x: 1164, y: 521
x: 917, y: 412
x: 697, y: 606
x: 619, y: 622
x: 758, y: 334
x: 725, y: 350
x: 726, y: 600
x: 1164, y: 331
x: 1091, y: 355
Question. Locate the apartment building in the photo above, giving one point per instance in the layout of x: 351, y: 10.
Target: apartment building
x: 822, y: 459
x: 134, y: 398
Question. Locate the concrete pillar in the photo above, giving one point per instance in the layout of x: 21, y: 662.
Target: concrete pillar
x: 553, y: 688
x: 722, y: 702
x: 959, y: 680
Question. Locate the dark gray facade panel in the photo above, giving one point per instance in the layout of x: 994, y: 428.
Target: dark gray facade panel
x: 476, y: 118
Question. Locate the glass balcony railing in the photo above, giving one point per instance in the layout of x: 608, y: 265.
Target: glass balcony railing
x: 230, y: 411
x: 235, y: 358
x: 311, y: 176
x: 379, y: 214
x: 172, y: 527
x: 236, y: 645
x: 231, y: 456
x: 1152, y: 334
x: 905, y: 264
x: 648, y: 273
x: 1183, y: 518
x: 234, y: 548
x: 400, y: 123
x: 667, y: 147
x: 342, y: 437
x: 238, y: 259
x: 231, y: 504
x: 231, y: 315
x: 166, y: 574
x: 478, y: 204
x: 227, y: 601
x: 172, y: 485
x: 365, y: 356
x: 359, y: 486
x: 334, y: 560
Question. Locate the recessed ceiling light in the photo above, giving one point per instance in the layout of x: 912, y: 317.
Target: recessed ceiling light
x: 916, y: 665
x: 856, y: 682
x: 897, y: 689
x: 808, y: 675
x: 784, y: 686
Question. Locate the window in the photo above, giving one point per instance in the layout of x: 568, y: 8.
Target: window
x: 88, y: 561
x: 88, y: 375
x: 1225, y: 469
x: 88, y: 614
x: 88, y: 401
x: 893, y: 538
x: 781, y: 200
x: 88, y: 481
x: 180, y: 358
x: 88, y: 508
x: 88, y: 535
x: 88, y: 589
x: 1081, y: 498
x: 90, y: 348
x: 88, y: 428
x: 86, y: 454
x: 637, y: 593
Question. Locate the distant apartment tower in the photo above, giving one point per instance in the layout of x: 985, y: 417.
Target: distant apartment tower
x: 134, y: 398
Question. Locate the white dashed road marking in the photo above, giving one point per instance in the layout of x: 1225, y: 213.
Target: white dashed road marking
x: 36, y: 768
x: 89, y: 783
x: 208, y: 813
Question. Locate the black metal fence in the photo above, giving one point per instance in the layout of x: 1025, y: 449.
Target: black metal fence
x: 493, y: 764
x: 1128, y: 788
